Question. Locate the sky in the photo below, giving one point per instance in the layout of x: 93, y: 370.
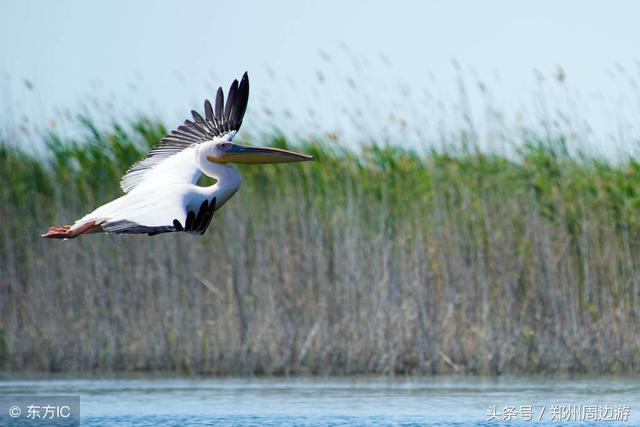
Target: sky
x: 325, y: 66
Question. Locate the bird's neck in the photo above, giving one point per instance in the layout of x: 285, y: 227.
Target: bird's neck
x: 227, y: 177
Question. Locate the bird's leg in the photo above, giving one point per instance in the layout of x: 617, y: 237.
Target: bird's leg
x: 57, y: 232
x: 67, y: 232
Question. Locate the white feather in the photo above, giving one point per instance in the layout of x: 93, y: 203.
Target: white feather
x: 176, y: 167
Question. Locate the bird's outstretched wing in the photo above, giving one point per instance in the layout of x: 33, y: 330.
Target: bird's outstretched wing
x: 173, y: 159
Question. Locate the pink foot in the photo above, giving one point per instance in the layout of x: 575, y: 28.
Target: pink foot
x: 54, y: 232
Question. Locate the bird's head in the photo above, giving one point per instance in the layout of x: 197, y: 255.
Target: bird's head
x: 225, y: 151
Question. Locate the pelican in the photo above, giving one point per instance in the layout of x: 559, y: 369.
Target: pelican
x: 161, y: 195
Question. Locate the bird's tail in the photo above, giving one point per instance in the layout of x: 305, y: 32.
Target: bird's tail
x: 71, y: 231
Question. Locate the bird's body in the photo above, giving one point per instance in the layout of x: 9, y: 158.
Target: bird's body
x: 161, y: 191
x: 153, y: 208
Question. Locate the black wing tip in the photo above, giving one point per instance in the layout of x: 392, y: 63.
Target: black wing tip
x: 242, y: 99
x: 219, y: 118
x: 244, y: 79
x: 244, y: 82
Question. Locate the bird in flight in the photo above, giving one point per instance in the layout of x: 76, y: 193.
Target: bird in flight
x: 161, y: 195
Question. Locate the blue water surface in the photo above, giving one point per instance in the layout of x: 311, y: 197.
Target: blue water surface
x: 439, y: 401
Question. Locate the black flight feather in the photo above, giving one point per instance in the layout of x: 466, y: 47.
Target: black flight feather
x: 231, y: 96
x: 219, y: 104
x: 201, y: 213
x: 208, y: 113
x: 212, y: 208
x: 188, y: 224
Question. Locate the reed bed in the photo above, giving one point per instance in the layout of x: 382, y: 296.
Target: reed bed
x: 376, y: 260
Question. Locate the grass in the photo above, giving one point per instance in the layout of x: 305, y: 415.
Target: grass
x: 380, y: 260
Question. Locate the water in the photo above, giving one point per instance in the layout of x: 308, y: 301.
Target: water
x: 335, y: 402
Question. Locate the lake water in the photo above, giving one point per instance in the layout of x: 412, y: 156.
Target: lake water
x: 341, y: 402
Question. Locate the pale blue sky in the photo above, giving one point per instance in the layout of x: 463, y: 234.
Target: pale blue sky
x: 165, y: 57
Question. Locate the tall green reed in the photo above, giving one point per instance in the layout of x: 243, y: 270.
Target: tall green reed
x: 375, y: 260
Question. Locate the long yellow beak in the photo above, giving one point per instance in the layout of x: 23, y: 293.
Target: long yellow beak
x: 259, y: 155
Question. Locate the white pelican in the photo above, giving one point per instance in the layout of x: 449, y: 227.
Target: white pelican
x: 161, y: 191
